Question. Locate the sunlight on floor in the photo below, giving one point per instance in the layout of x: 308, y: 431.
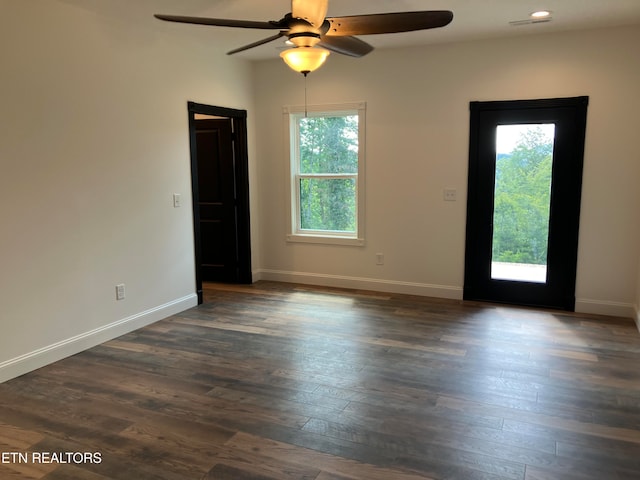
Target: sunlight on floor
x: 522, y: 272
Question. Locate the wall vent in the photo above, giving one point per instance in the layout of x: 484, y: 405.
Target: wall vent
x: 529, y: 21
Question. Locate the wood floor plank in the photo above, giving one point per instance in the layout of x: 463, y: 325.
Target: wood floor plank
x: 221, y: 471
x: 72, y: 472
x: 277, y: 381
x: 580, y: 427
x: 327, y: 462
x: 16, y: 439
x: 256, y: 464
x: 27, y: 471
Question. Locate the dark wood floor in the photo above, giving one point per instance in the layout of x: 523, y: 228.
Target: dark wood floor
x: 283, y: 382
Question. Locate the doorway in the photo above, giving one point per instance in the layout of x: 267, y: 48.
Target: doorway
x: 220, y: 193
x: 523, y: 207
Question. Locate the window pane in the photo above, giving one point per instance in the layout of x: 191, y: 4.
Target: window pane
x: 524, y: 157
x: 328, y: 204
x: 328, y: 144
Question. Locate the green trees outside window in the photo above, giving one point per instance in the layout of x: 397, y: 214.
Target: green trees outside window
x: 328, y: 169
x: 522, y: 199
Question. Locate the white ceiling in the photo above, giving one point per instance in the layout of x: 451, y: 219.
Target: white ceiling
x: 473, y: 19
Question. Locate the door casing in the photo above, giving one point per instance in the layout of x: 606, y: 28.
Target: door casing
x: 241, y: 170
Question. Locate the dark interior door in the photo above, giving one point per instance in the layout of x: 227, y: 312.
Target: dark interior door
x: 217, y: 200
x: 524, y: 201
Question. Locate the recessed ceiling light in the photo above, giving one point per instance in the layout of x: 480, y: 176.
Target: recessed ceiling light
x: 541, y: 14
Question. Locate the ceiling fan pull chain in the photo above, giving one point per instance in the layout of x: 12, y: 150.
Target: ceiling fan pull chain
x: 305, y: 95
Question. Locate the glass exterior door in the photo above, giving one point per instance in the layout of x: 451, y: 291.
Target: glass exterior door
x: 523, y: 202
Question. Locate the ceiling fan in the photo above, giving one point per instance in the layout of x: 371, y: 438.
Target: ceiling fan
x: 313, y: 34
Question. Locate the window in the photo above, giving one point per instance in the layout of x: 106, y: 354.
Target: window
x: 326, y: 152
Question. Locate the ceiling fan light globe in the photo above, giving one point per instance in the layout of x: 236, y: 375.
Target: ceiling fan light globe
x: 304, y: 59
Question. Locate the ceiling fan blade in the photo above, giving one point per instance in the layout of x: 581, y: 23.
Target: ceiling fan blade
x: 388, y: 22
x: 311, y: 11
x: 258, y: 43
x: 220, y: 22
x: 347, y: 45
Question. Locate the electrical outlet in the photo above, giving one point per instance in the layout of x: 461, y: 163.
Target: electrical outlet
x: 120, y: 292
x: 379, y: 258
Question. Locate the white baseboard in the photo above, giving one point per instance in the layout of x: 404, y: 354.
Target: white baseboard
x: 52, y: 353
x: 360, y: 283
x: 583, y: 305
x: 603, y: 307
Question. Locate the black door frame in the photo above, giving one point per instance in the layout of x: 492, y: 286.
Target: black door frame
x: 569, y: 115
x: 241, y: 167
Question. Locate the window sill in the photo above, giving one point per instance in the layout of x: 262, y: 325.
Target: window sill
x: 325, y: 240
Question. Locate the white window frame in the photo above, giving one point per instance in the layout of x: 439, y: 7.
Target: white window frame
x: 291, y: 115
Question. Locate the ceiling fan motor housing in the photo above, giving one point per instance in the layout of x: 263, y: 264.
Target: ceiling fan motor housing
x: 304, y: 39
x: 303, y: 34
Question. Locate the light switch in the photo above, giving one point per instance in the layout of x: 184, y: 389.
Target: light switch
x: 450, y: 194
x: 177, y: 200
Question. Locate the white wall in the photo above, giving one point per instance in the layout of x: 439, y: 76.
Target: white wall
x: 93, y: 144
x: 417, y: 144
